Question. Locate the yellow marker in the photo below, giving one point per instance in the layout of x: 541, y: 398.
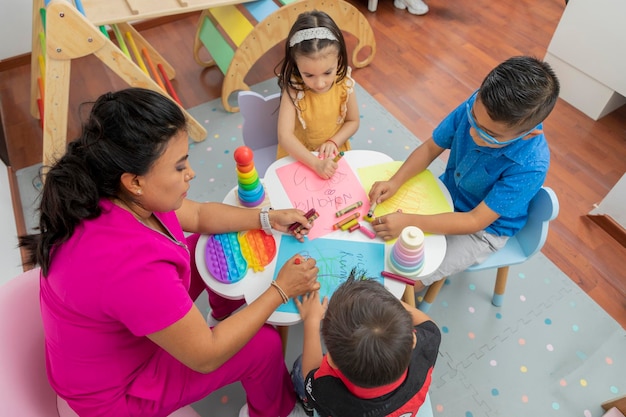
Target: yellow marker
x: 349, y: 224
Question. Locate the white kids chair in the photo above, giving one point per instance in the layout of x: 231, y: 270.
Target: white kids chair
x: 260, y: 126
x: 24, y: 388
x: 543, y: 208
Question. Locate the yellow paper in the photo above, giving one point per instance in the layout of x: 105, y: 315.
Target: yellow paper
x: 419, y: 195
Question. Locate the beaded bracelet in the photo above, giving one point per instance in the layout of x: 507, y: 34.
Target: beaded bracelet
x: 281, y: 292
x: 333, y: 142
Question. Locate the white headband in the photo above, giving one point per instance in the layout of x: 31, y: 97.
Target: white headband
x: 312, y: 33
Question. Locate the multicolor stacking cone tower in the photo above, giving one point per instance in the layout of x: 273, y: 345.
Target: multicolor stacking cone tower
x: 251, y: 192
x: 407, y: 256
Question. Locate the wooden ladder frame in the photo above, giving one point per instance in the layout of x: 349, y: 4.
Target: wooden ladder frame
x: 275, y: 28
x: 70, y: 35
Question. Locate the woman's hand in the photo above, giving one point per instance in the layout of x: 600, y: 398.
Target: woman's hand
x: 311, y: 307
x: 298, y: 276
x: 281, y: 220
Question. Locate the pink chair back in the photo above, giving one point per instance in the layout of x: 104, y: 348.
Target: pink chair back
x: 24, y: 387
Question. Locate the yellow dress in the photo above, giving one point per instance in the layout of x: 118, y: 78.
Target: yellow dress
x: 320, y: 116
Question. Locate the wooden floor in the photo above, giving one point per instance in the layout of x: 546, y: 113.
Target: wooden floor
x: 424, y: 67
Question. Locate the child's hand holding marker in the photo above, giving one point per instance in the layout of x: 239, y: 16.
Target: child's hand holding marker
x: 326, y: 167
x: 370, y: 212
x: 338, y: 157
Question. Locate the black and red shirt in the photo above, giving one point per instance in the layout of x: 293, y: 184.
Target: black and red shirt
x: 333, y: 395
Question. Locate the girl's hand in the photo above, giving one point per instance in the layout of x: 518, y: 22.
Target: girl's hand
x: 298, y: 276
x: 326, y: 168
x: 328, y: 150
x: 310, y: 307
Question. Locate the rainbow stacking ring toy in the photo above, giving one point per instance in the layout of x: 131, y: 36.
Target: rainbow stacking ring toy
x: 407, y: 256
x: 250, y: 191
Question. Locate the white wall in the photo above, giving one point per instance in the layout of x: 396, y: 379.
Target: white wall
x: 15, y: 32
x: 614, y: 204
x: 10, y: 260
x: 15, y: 28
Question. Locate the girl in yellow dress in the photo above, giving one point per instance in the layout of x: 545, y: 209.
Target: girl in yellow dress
x: 318, y: 107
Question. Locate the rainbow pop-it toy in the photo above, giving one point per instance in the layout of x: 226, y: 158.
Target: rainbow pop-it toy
x: 229, y: 255
x: 224, y: 259
x: 258, y: 248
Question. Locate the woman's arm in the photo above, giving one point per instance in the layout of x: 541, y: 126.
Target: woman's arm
x: 214, y: 218
x: 191, y: 341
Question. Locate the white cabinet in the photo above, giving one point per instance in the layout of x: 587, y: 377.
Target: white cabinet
x: 588, y: 54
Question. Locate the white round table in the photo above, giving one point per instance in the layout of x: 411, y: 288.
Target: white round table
x: 254, y: 284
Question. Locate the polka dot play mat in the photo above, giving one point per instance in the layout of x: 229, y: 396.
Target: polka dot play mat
x: 550, y: 350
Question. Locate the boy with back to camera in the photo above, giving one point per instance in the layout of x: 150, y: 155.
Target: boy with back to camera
x: 380, y: 353
x: 498, y: 161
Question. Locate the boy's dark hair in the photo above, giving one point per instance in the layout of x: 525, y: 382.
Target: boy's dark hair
x: 520, y: 92
x: 127, y: 131
x: 368, y: 333
x: 288, y: 67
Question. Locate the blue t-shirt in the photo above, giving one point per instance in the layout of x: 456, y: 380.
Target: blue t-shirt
x: 506, y: 178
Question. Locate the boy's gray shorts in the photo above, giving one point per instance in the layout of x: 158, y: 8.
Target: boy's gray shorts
x: 463, y: 251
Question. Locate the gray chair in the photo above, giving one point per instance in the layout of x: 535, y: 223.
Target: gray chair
x: 260, y: 126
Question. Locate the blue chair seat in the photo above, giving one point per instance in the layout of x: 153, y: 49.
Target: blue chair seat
x: 543, y: 208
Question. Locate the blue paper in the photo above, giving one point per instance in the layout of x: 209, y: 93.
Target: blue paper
x: 335, y: 259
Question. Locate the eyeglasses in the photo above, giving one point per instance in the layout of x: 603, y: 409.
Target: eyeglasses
x: 484, y: 135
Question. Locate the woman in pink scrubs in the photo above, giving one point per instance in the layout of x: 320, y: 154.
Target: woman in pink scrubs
x: 123, y: 335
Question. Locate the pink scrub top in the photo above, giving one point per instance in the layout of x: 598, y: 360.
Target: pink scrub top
x: 111, y: 284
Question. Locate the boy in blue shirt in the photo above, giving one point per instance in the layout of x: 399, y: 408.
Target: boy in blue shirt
x: 498, y: 161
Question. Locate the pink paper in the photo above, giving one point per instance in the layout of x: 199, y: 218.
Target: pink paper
x: 306, y: 190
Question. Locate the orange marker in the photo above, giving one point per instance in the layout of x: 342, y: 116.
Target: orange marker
x: 346, y: 220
